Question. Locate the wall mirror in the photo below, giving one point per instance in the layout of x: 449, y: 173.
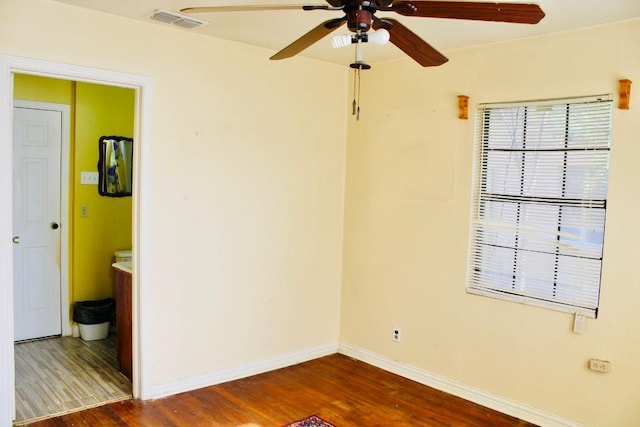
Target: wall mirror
x: 115, y: 166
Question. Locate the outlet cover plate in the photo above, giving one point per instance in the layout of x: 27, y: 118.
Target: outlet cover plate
x: 397, y: 334
x: 600, y: 365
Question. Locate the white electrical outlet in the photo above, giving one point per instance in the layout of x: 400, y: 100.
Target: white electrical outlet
x: 396, y: 334
x: 599, y: 365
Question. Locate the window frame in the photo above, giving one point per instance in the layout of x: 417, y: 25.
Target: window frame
x: 478, y: 206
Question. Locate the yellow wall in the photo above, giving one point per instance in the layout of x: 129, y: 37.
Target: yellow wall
x: 100, y: 111
x: 407, y: 215
x: 36, y: 88
x: 96, y: 110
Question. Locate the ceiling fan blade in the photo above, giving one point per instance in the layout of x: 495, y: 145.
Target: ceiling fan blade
x: 407, y: 41
x: 521, y: 13
x: 310, y: 38
x: 251, y: 8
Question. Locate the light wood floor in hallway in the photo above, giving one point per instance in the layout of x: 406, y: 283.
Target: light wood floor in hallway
x: 63, y: 374
x: 342, y: 391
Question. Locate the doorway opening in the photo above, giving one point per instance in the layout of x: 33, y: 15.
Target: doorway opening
x: 63, y: 251
x: 9, y: 68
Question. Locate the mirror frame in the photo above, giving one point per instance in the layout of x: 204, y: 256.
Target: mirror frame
x: 103, y: 187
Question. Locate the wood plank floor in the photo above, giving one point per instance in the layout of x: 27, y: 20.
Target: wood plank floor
x: 343, y: 391
x: 62, y: 374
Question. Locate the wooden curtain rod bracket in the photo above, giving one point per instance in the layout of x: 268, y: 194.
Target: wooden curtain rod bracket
x: 463, y: 107
x: 625, y: 94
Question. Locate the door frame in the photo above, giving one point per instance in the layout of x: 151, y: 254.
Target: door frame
x: 10, y: 65
x: 65, y: 218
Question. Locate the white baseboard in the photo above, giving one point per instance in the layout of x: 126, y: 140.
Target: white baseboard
x: 260, y: 367
x: 455, y: 388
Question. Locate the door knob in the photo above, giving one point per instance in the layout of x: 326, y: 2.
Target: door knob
x: 54, y: 225
x: 16, y: 239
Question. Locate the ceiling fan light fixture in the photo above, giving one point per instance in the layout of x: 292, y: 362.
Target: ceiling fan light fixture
x: 342, y: 40
x: 380, y: 36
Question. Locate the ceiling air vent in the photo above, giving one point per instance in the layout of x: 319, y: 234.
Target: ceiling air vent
x: 176, y: 19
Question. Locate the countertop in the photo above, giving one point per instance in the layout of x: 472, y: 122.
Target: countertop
x: 126, y: 266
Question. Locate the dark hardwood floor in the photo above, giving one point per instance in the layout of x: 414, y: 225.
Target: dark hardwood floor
x: 343, y: 391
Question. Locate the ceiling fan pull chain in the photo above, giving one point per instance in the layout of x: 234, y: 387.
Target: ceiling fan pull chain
x: 354, y: 104
x: 357, y: 66
x: 358, y: 111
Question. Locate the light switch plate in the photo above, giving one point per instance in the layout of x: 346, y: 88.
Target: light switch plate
x: 578, y: 323
x: 89, y: 178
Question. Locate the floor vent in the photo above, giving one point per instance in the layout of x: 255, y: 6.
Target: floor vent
x: 176, y: 19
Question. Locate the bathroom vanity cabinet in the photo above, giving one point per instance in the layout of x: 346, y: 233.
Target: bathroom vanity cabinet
x: 123, y: 319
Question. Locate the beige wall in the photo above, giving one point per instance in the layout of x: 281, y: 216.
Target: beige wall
x: 245, y: 190
x: 409, y: 163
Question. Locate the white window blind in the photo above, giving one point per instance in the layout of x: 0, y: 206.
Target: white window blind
x: 540, y: 198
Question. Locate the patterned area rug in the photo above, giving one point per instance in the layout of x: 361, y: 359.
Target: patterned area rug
x: 312, y: 421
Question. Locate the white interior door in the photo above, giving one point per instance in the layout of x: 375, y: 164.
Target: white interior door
x: 37, y: 138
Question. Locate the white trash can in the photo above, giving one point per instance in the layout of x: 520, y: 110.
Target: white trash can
x: 93, y: 318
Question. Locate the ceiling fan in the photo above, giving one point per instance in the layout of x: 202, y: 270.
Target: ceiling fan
x: 359, y: 15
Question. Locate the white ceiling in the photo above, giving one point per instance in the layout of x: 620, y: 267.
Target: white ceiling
x: 274, y: 30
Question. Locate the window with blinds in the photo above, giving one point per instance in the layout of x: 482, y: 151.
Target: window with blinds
x: 540, y: 199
